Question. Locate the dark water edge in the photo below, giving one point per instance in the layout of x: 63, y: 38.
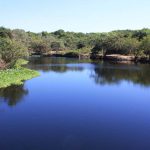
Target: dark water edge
x: 115, y: 58
x: 78, y: 105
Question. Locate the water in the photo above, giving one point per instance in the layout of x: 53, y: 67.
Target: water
x: 78, y: 105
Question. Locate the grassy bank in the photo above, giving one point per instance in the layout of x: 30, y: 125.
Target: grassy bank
x: 16, y: 76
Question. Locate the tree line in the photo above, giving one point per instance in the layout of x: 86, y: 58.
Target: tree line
x: 18, y: 43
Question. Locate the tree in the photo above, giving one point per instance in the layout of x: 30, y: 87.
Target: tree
x: 99, y: 48
x: 57, y: 46
x: 44, y: 34
x: 139, y: 35
x: 11, y: 50
x: 81, y: 45
x: 128, y: 46
x: 39, y: 47
x: 20, y: 36
x: 5, y: 33
x: 59, y: 33
x: 146, y: 46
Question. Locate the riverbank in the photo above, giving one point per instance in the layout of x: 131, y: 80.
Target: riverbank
x: 112, y: 57
x: 16, y: 76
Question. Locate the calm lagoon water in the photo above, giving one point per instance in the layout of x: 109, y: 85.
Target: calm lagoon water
x: 78, y: 105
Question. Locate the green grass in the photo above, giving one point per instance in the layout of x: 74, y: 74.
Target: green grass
x: 16, y: 76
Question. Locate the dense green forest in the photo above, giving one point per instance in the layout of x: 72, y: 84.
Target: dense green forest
x: 15, y: 44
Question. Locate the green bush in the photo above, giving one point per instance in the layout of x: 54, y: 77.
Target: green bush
x: 11, y: 50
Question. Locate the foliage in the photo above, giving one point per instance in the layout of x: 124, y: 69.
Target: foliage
x: 146, y: 46
x: 57, y: 46
x: 15, y: 44
x: 11, y: 50
x: 38, y: 47
x: 5, y: 33
x: 19, y: 63
x: 16, y: 76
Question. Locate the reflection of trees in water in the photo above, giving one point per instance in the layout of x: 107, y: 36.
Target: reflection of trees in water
x: 104, y: 72
x: 13, y: 94
x: 60, y: 65
x: 57, y: 68
x: 114, y: 74
x: 56, y: 60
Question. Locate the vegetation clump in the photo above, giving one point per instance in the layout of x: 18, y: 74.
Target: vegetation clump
x: 16, y: 75
x: 13, y: 47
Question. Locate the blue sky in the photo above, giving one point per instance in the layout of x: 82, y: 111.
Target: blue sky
x: 75, y: 15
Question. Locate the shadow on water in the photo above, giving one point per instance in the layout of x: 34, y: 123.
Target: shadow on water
x: 13, y: 94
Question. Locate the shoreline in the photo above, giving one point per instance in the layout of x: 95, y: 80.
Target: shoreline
x: 111, y: 57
